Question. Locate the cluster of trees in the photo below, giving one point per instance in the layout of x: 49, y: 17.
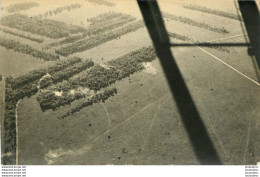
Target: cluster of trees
x: 195, y: 23
x: 47, y: 27
x: 59, y: 10
x: 49, y: 100
x: 95, y: 99
x: 213, y: 11
x: 35, y: 39
x: 98, y: 28
x: 21, y: 6
x: 98, y: 77
x: 26, y: 86
x: 56, y: 68
x: 99, y: 39
x: 102, y: 2
x: 66, y: 73
x: 26, y: 49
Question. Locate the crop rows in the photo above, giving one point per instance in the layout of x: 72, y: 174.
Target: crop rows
x: 47, y: 27
x: 213, y: 11
x: 195, y: 23
x: 98, y: 77
x: 60, y: 10
x: 95, y: 99
x: 102, y: 2
x: 21, y: 6
x: 99, y: 39
x: 26, y: 49
x: 35, y: 39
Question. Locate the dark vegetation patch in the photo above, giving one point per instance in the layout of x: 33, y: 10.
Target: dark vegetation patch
x: 97, y: 78
x: 195, y: 41
x: 26, y: 36
x: 26, y: 49
x: 60, y: 10
x: 28, y: 85
x: 99, y: 39
x: 21, y: 6
x: 102, y: 2
x: 47, y: 27
x: 191, y: 22
x: 213, y: 11
x: 99, y: 26
x: 106, y: 17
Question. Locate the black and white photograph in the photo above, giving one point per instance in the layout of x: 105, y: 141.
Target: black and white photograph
x: 130, y: 82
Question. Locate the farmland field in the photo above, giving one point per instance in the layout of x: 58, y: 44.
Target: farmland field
x: 82, y: 83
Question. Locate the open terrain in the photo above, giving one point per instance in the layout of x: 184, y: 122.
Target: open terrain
x: 82, y: 84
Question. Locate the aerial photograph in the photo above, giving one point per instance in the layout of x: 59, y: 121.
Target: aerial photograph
x: 130, y: 82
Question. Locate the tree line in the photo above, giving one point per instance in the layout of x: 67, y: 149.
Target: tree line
x: 102, y: 2
x: 35, y: 39
x: 213, y: 11
x: 98, y: 28
x: 60, y: 10
x: 44, y: 27
x: 26, y: 49
x: 98, y: 39
x: 191, y: 22
x: 21, y: 6
x: 28, y: 85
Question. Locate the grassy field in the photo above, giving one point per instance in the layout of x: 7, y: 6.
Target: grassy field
x: 141, y: 124
x: 14, y: 64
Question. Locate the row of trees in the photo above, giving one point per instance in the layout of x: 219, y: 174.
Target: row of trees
x: 98, y: 28
x: 195, y: 41
x: 21, y: 6
x: 9, y: 125
x: 180, y: 37
x: 106, y: 17
x: 98, y: 77
x: 213, y: 11
x: 102, y: 2
x: 35, y: 39
x: 95, y: 99
x: 195, y: 23
x: 66, y: 73
x: 99, y: 39
x: 47, y: 27
x: 60, y: 10
x: 105, y: 26
x: 26, y: 49
x: 39, y: 73
x: 26, y: 86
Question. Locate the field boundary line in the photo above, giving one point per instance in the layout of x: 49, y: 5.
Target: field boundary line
x: 231, y: 67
